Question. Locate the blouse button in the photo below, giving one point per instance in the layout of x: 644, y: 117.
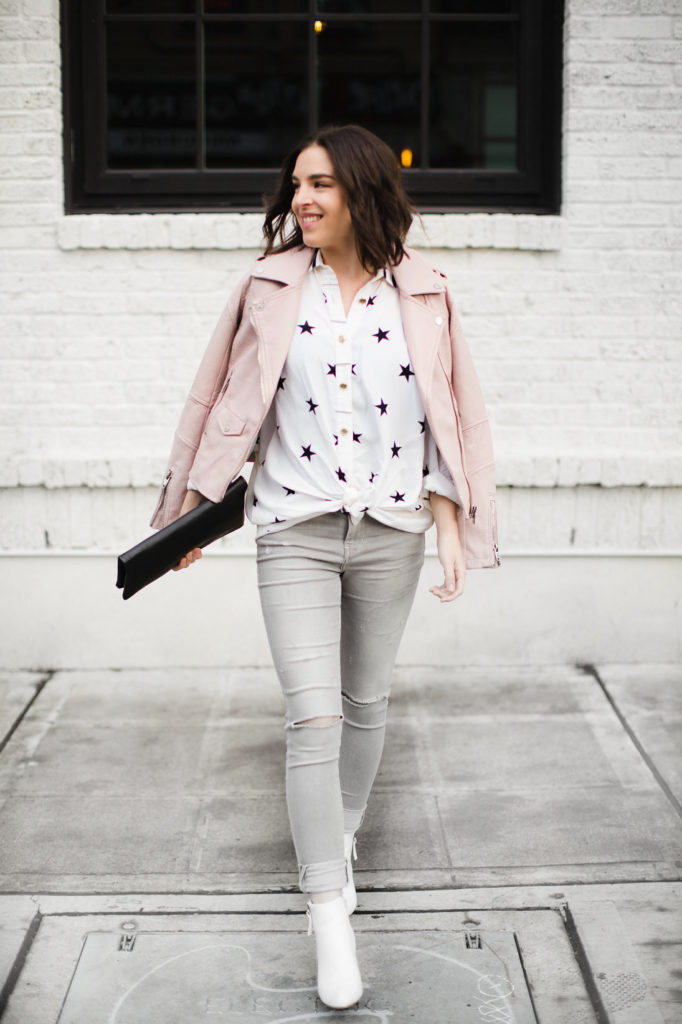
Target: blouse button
x: 439, y: 320
x: 344, y: 430
x: 343, y: 386
x: 341, y: 338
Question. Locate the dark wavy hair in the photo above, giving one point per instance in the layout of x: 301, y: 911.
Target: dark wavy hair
x: 368, y: 171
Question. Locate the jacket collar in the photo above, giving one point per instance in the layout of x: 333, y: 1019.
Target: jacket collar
x: 286, y: 267
x: 413, y: 275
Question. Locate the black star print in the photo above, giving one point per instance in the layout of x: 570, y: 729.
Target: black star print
x: 288, y: 490
x: 382, y: 407
x: 255, y: 502
x: 331, y: 372
x: 395, y: 448
x: 370, y: 300
x: 397, y: 496
x: 280, y: 386
x: 306, y: 328
x: 371, y: 477
x: 352, y: 369
x: 406, y: 372
x: 425, y: 471
x: 336, y: 440
x: 380, y: 335
x: 422, y: 424
x: 307, y: 452
x: 341, y: 475
x: 356, y: 437
x: 312, y: 406
x: 278, y: 520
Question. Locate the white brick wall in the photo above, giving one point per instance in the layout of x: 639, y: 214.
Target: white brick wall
x: 575, y: 321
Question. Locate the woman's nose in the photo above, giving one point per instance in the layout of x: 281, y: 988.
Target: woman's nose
x: 303, y: 196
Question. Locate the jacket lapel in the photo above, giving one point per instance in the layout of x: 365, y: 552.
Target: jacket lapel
x: 274, y: 317
x: 422, y: 334
x: 424, y: 317
x: 274, y: 314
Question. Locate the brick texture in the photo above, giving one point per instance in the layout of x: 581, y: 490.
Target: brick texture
x: 575, y: 321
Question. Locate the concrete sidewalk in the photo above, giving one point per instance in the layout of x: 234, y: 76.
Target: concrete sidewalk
x: 520, y: 859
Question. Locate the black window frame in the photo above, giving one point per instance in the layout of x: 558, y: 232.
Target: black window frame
x: 90, y: 187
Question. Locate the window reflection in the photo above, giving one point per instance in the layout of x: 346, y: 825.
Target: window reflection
x: 259, y: 96
x: 369, y: 73
x: 473, y: 95
x: 256, y: 92
x: 151, y: 96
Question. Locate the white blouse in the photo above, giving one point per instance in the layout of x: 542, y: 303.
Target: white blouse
x: 347, y: 428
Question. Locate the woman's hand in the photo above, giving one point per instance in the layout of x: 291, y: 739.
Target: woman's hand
x: 450, y: 553
x: 191, y: 500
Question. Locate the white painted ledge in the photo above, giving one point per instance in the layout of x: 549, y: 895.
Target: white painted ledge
x: 231, y: 231
x: 539, y: 469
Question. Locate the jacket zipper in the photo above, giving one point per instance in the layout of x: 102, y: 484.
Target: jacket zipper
x: 493, y: 529
x: 162, y: 496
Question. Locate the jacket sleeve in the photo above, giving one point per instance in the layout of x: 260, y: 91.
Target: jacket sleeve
x: 480, y: 527
x: 206, y: 388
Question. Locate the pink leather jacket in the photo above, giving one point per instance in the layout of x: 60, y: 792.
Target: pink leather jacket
x: 238, y: 376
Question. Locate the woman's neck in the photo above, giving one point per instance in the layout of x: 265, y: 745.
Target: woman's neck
x: 346, y: 265
x: 349, y: 271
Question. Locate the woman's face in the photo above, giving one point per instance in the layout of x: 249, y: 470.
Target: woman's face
x: 319, y: 203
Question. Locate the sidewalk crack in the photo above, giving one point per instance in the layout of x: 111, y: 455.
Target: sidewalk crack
x: 591, y: 670
x: 40, y: 686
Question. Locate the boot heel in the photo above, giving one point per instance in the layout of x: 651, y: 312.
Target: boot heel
x: 339, y: 984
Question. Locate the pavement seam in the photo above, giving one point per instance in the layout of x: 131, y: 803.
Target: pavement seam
x: 591, y: 670
x: 583, y: 962
x: 40, y: 686
x: 19, y: 961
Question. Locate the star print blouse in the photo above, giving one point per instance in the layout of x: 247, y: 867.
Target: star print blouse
x: 347, y: 429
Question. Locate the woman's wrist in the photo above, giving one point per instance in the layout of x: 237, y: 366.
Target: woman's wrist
x: 444, y: 513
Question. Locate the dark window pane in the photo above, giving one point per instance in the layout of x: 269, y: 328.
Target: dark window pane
x: 360, y: 7
x: 255, y: 6
x: 150, y: 6
x: 369, y: 74
x: 151, y: 106
x: 475, y: 6
x: 256, y: 92
x: 473, y: 95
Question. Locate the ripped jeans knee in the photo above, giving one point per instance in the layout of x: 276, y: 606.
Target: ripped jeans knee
x: 365, y: 714
x: 313, y: 741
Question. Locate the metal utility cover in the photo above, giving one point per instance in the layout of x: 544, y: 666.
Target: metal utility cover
x: 240, y: 976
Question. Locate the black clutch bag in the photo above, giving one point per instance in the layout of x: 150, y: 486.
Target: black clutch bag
x: 156, y: 555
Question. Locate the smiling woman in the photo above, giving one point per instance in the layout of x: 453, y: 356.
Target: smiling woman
x: 368, y: 175
x: 319, y: 203
x: 342, y: 362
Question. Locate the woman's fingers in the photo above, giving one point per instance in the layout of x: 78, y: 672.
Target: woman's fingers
x: 187, y: 559
x: 453, y: 581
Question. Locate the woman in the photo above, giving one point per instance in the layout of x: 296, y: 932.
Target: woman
x: 339, y: 367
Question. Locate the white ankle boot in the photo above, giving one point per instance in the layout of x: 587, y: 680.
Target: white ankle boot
x: 339, y: 984
x: 350, y: 853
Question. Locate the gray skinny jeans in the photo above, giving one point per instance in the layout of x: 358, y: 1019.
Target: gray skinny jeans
x: 335, y: 598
